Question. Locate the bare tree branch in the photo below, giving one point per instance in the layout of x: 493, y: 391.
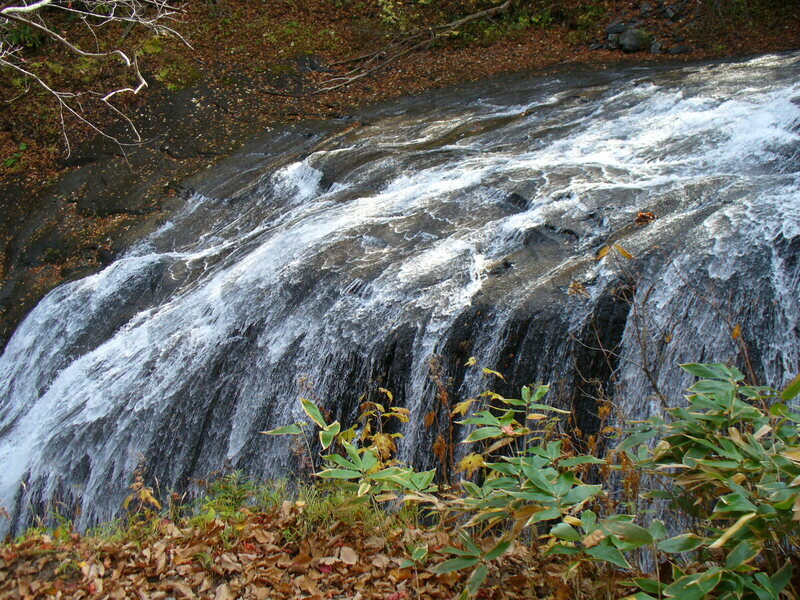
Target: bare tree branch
x: 405, y: 45
x: 42, y: 16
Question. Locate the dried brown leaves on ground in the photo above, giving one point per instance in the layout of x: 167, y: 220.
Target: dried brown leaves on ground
x: 255, y: 558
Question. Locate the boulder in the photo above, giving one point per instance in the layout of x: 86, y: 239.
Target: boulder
x: 682, y: 49
x: 635, y: 40
x: 615, y: 28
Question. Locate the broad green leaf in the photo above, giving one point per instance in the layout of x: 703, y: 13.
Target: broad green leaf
x: 470, y: 544
x: 339, y: 474
x: 648, y: 585
x: 313, y: 412
x: 657, y: 530
x: 368, y: 461
x: 743, y: 553
x: 530, y: 396
x: 459, y: 552
x: 293, y: 429
x: 498, y: 550
x: 483, y: 433
x: 476, y: 580
x: 352, y: 452
x: 712, y: 371
x: 580, y: 493
x: 792, y: 390
x: 456, y: 564
x: 407, y: 564
x: 419, y: 552
x: 628, y: 532
x: 545, y: 515
x: 761, y: 591
x: 565, y: 531
x: 681, y: 543
x: 636, y: 439
x: 712, y: 386
x: 327, y: 435
x: 390, y: 473
x: 696, y: 586
x: 782, y: 576
x: 582, y: 460
x: 608, y: 554
x: 341, y: 461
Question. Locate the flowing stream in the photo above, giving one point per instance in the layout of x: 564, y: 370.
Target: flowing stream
x: 336, y: 258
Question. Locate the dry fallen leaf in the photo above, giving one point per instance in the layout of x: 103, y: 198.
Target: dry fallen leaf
x: 348, y: 555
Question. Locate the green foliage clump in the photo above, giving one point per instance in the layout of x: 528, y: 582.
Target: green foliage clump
x: 728, y: 463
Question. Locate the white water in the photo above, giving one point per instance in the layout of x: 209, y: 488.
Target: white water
x: 356, y: 264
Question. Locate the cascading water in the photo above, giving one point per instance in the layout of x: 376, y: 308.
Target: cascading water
x: 461, y: 223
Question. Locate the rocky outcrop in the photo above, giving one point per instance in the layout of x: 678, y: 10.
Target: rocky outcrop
x: 655, y: 27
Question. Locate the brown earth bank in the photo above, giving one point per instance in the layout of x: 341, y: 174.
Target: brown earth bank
x: 67, y: 210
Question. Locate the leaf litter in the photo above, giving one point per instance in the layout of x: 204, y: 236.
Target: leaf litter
x: 252, y: 557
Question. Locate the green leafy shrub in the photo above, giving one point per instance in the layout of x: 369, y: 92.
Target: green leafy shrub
x: 729, y: 462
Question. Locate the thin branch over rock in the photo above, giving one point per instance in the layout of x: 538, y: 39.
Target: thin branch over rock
x: 47, y: 20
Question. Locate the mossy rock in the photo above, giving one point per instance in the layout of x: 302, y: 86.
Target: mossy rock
x: 178, y: 75
x: 635, y: 40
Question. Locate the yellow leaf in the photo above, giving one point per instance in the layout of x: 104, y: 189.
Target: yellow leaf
x: 796, y: 509
x: 472, y: 361
x: 602, y: 253
x: 495, y: 373
x: 462, y: 407
x: 737, y: 332
x: 623, y: 252
x: 526, y: 512
x: 573, y: 521
x: 764, y: 430
x: 471, y: 463
x: 383, y: 444
x: 576, y: 288
x: 536, y: 416
x: 743, y: 520
x: 498, y: 444
x: 793, y: 455
x: 388, y: 394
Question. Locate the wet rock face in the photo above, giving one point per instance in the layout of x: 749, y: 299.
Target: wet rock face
x: 549, y: 227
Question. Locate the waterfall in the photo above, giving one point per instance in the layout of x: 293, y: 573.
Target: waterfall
x: 467, y: 222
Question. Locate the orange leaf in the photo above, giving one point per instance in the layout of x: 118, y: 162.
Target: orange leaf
x: 623, y: 252
x: 429, y: 419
